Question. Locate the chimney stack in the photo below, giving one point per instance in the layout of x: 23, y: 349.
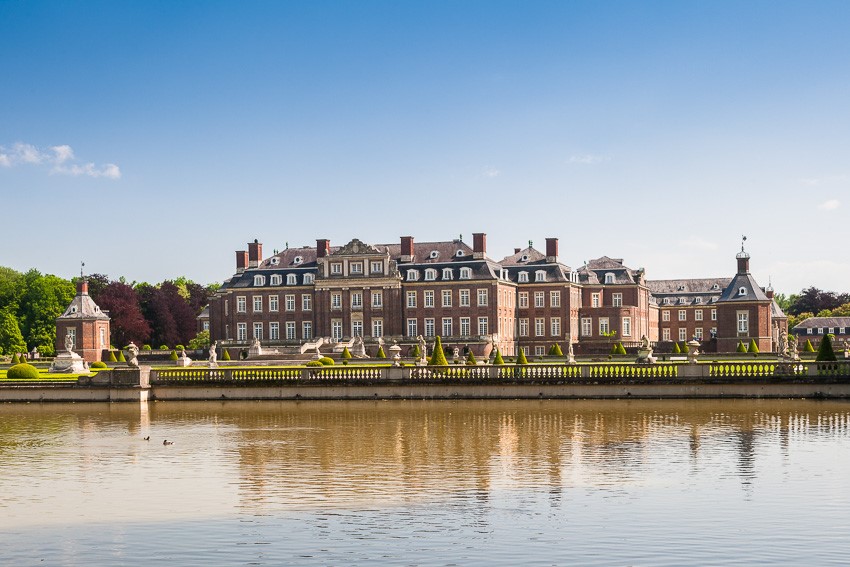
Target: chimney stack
x: 479, y: 245
x: 241, y: 261
x: 517, y: 250
x: 255, y: 253
x: 552, y: 250
x: 323, y: 247
x: 406, y: 249
x: 83, y: 287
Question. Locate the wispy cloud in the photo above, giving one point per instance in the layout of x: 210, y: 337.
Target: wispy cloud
x: 60, y: 160
x: 587, y: 159
x: 697, y: 243
x: 830, y: 205
x: 490, y: 172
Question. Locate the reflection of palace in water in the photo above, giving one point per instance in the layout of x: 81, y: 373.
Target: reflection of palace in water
x: 308, y: 453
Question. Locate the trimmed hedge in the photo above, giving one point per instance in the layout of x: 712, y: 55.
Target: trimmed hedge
x: 381, y: 353
x: 621, y: 349
x: 346, y: 354
x: 809, y: 347
x: 163, y: 347
x: 741, y: 347
x: 470, y: 359
x: 754, y: 348
x: 521, y: 359
x: 314, y: 363
x: 173, y: 355
x: 22, y: 371
x: 676, y: 348
x: 326, y: 361
x: 498, y: 360
x: 146, y: 347
x: 438, y: 357
x: 224, y: 354
x: 98, y: 364
x: 415, y: 352
x: 15, y: 359
x: 825, y: 352
x: 179, y: 347
x: 121, y: 357
x: 111, y: 357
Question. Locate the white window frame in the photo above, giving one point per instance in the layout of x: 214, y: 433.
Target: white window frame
x: 697, y: 314
x: 446, y: 295
x: 683, y: 315
x: 357, y: 300
x: 483, y: 326
x: 430, y: 274
x: 257, y: 303
x: 555, y: 326
x: 447, y: 274
x: 411, y: 299
x: 377, y: 328
x: 290, y: 331
x: 604, y: 326
x: 447, y: 326
x: 665, y: 314
x: 522, y: 331
x: 428, y: 298
x: 617, y: 299
x: 289, y: 302
x: 586, y: 326
x: 743, y: 320
x: 539, y: 299
x: 626, y: 326
x: 523, y: 300
x: 595, y: 299
x: 483, y: 297
x: 464, y: 298
x: 378, y: 299
x: 465, y: 326
x: 274, y: 331
x: 258, y: 330
x: 274, y: 304
x: 412, y: 327
x: 430, y: 328
x: 522, y: 277
x: 242, y: 332
x: 336, y: 300
x: 554, y: 299
x: 291, y: 279
x: 665, y: 334
x: 466, y: 273
x: 241, y: 304
x: 306, y: 330
x: 306, y: 302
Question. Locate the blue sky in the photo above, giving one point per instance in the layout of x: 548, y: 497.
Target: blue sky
x: 152, y: 139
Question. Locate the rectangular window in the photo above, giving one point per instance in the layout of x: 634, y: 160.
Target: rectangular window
x: 273, y: 304
x: 539, y: 299
x: 683, y: 315
x: 483, y: 327
x: 336, y: 329
x: 336, y: 268
x: 241, y: 303
x: 357, y: 300
x: 604, y: 328
x: 307, y: 330
x: 429, y: 327
x: 377, y: 327
x: 377, y: 299
x: 226, y: 307
x: 665, y: 315
x: 336, y: 301
x: 411, y: 299
x: 539, y: 326
x: 447, y: 326
x: 356, y: 268
x: 429, y: 298
x: 206, y: 328
x: 523, y: 299
x: 665, y: 335
x: 103, y: 334
x: 258, y: 331
x: 241, y: 332
x: 698, y: 315
x: 447, y: 298
x: 555, y: 326
x: 376, y: 267
x: 290, y: 330
x: 539, y: 351
x: 289, y: 302
x: 743, y: 322
x: 698, y: 333
x: 617, y: 299
x: 357, y: 328
x: 594, y: 300
x: 482, y: 300
x: 258, y: 303
x: 627, y: 326
x: 683, y: 333
x: 586, y: 326
x: 523, y: 327
x: 554, y: 298
x: 306, y: 302
x: 464, y: 298
x: 464, y: 326
x: 274, y: 331
x: 714, y: 314
x: 412, y: 330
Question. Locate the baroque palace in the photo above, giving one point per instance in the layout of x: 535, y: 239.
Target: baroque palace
x: 528, y: 300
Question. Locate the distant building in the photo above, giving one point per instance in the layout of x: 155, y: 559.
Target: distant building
x: 687, y: 307
x: 814, y: 329
x: 85, y: 324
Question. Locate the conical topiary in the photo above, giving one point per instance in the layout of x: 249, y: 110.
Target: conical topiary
x: 809, y: 347
x: 825, y: 352
x: 498, y: 360
x: 676, y: 348
x: 111, y: 357
x: 224, y: 354
x: 415, y: 352
x: 381, y: 353
x: 15, y: 359
x: 754, y: 348
x: 346, y: 354
x: 621, y: 349
x: 556, y: 350
x: 521, y: 359
x: 470, y: 359
x: 173, y: 355
x: 615, y: 349
x: 741, y: 347
x: 438, y: 357
x: 685, y: 348
x: 121, y: 356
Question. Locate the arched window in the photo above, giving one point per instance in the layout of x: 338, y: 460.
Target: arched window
x: 291, y: 279
x: 466, y: 273
x: 308, y: 279
x: 523, y: 277
x: 447, y: 273
x: 275, y: 279
x: 259, y: 280
x: 540, y: 276
x: 430, y: 274
x: 412, y: 275
x: 609, y: 278
x: 742, y: 290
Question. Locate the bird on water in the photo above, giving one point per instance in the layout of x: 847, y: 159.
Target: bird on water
x: 167, y: 442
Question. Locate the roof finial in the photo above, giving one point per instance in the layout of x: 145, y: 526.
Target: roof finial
x: 530, y: 244
x: 743, y: 239
x: 82, y: 265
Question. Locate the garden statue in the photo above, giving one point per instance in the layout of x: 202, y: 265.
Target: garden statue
x: 422, y: 347
x: 456, y: 354
x: 69, y: 343
x: 645, y: 351
x: 792, y: 347
x: 783, y: 344
x: 213, y: 356
x: 132, y: 355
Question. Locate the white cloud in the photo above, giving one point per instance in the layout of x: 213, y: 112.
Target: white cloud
x: 830, y: 205
x: 490, y: 172
x: 60, y: 157
x: 587, y: 159
x: 697, y: 243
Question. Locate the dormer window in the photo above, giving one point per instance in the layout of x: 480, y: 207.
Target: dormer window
x: 742, y: 291
x: 447, y: 273
x: 275, y: 279
x: 459, y: 254
x: 297, y: 260
x: 336, y: 268
x: 291, y: 279
x: 466, y: 273
x: 666, y: 301
x: 523, y: 277
x: 73, y: 309
x: 540, y: 276
x: 697, y: 300
x: 715, y: 286
x: 274, y: 261
x: 523, y: 258
x: 412, y: 275
x: 377, y: 267
x: 356, y: 267
x: 681, y: 288
x: 434, y: 254
x: 609, y: 278
x: 308, y: 279
x: 430, y: 275
x: 259, y: 281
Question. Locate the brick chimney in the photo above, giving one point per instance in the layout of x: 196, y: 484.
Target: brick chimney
x: 552, y: 250
x: 255, y: 253
x: 769, y: 292
x: 323, y: 247
x: 83, y: 287
x: 406, y: 249
x: 479, y: 245
x: 517, y: 250
x: 241, y: 261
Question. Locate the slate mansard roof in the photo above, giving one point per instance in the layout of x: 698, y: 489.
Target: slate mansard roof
x: 823, y: 323
x: 696, y: 291
x: 83, y: 307
x: 594, y: 272
x: 532, y: 261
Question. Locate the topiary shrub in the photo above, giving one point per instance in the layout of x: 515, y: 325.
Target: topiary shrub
x: 173, y: 355
x: 825, y: 352
x: 224, y: 354
x: 809, y: 347
x: 614, y: 349
x: 163, y: 347
x: 685, y: 348
x: 179, y: 347
x: 111, y: 357
x: 741, y: 347
x: 521, y: 359
x: 326, y: 361
x: 470, y: 359
x: 121, y: 356
x: 346, y: 354
x: 556, y: 350
x: 621, y: 349
x: 98, y: 364
x: 15, y: 359
x: 314, y: 363
x: 146, y: 347
x: 22, y: 371
x: 676, y: 348
x: 498, y: 358
x: 754, y: 348
x: 438, y: 357
x: 381, y: 353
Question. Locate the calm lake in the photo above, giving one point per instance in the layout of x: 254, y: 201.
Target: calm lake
x: 668, y: 482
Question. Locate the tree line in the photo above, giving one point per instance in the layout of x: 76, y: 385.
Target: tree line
x: 157, y: 314
x: 813, y: 302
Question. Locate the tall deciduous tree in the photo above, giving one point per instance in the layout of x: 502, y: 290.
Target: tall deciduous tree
x: 171, y: 318
x: 11, y: 339
x: 128, y: 324
x: 45, y: 298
